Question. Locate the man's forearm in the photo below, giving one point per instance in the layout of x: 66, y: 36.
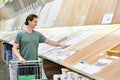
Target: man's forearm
x: 17, y: 54
x: 51, y: 42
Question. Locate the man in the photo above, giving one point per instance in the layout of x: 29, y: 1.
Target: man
x: 28, y: 40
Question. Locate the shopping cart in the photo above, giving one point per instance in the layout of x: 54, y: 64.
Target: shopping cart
x: 33, y: 70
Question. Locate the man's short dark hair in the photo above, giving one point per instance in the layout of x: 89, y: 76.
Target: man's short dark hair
x: 30, y: 18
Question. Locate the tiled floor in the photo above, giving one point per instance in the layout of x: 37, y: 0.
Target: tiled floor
x: 4, y: 71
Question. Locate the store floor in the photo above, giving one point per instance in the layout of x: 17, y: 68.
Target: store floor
x: 4, y: 71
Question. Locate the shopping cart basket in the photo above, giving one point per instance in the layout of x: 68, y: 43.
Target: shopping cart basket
x: 33, y: 70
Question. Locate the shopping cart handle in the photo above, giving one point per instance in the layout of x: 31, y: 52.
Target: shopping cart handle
x: 29, y: 61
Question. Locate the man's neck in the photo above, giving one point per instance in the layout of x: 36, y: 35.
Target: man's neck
x: 28, y: 29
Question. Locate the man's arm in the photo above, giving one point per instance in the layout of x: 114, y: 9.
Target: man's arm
x: 17, y: 54
x: 54, y: 43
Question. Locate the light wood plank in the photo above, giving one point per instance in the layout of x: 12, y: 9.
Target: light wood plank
x: 80, y: 8
x: 90, y: 54
x: 64, y: 12
x: 82, y: 54
x: 97, y: 10
x: 91, y: 39
x: 111, y: 72
x: 116, y: 18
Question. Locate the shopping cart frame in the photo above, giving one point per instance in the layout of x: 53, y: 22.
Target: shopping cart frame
x: 13, y: 67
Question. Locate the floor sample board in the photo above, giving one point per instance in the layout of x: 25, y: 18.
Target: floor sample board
x: 91, y: 54
x: 44, y: 15
x: 1, y: 25
x: 64, y: 12
x: 95, y: 36
x: 55, y: 7
x: 2, y: 13
x: 8, y: 36
x: 72, y: 38
x: 95, y: 48
x: 4, y: 25
x: 98, y: 9
x: 111, y: 72
x: 82, y: 38
x: 116, y: 18
x: 79, y: 9
x: 98, y: 47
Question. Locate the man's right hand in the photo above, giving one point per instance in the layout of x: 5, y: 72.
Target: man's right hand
x: 23, y: 61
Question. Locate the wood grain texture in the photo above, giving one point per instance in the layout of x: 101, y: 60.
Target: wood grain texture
x: 90, y: 39
x: 90, y: 54
x: 80, y: 12
x: 116, y: 18
x: 97, y: 10
x: 64, y: 12
x: 86, y: 53
x: 111, y: 72
x: 80, y: 8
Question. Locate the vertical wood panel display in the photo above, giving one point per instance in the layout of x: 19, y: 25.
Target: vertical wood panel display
x: 55, y: 6
x: 116, y: 18
x: 64, y: 12
x: 79, y: 9
x: 97, y: 10
x: 44, y: 14
x: 2, y: 13
x: 1, y: 25
x: 4, y: 24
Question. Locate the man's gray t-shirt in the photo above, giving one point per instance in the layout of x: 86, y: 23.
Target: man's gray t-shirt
x: 28, y: 43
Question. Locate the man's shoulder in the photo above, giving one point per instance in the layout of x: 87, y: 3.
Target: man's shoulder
x: 37, y: 32
x: 21, y: 32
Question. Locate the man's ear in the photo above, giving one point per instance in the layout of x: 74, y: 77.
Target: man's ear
x: 29, y: 21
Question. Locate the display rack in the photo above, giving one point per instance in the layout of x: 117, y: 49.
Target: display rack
x: 87, y: 54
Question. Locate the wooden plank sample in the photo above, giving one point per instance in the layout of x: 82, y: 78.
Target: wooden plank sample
x: 97, y: 10
x: 87, y: 54
x: 64, y: 12
x: 90, y: 54
x: 79, y: 9
x: 91, y: 39
x: 52, y: 15
x: 116, y: 18
x: 111, y: 72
